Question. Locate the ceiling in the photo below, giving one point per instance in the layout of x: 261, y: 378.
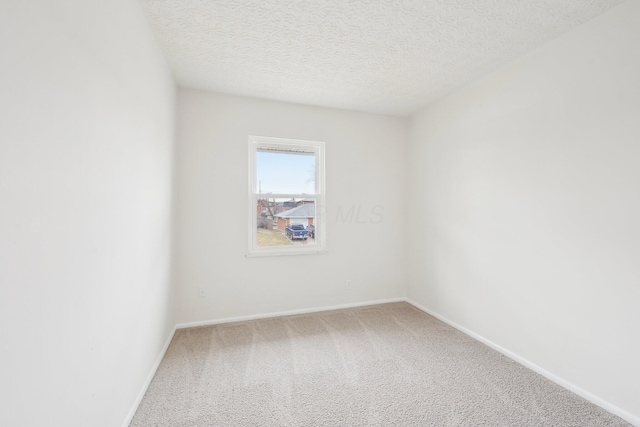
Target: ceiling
x: 381, y: 56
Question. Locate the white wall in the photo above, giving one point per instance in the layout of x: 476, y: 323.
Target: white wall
x: 86, y: 139
x: 526, y: 207
x: 365, y: 161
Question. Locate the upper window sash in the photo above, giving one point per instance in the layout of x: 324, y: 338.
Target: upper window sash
x: 267, y: 144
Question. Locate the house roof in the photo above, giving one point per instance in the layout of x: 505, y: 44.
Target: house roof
x: 302, y: 211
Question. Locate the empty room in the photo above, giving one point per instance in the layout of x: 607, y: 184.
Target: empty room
x: 319, y: 213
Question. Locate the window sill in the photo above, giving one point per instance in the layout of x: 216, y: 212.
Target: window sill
x: 285, y: 253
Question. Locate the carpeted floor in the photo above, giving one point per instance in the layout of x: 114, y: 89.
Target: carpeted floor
x: 384, y: 365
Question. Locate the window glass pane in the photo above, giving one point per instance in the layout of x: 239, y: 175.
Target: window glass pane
x: 285, y: 222
x: 285, y: 173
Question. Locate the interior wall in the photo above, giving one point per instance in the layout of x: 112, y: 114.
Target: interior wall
x: 86, y: 140
x: 364, y: 175
x: 525, y: 199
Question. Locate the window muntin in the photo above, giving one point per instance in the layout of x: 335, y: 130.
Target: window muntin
x: 286, y: 190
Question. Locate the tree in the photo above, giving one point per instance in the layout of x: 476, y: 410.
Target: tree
x: 270, y: 206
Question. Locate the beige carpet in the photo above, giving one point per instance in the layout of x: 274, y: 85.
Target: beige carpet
x: 385, y: 365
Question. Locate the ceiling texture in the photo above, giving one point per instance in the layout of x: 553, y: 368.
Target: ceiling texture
x: 380, y: 56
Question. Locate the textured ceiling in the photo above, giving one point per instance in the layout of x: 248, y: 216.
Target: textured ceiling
x: 385, y: 56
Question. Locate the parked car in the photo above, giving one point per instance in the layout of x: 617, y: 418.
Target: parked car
x: 296, y: 231
x: 311, y: 229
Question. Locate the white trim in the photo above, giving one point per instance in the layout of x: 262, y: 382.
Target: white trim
x: 285, y: 313
x: 556, y: 379
x: 147, y: 382
x: 288, y: 196
x: 256, y: 254
x: 549, y: 375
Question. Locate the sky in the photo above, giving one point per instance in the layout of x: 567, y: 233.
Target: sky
x: 285, y: 173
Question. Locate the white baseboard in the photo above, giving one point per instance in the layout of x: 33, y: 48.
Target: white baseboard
x: 156, y: 365
x: 284, y: 313
x: 147, y: 382
x: 556, y: 379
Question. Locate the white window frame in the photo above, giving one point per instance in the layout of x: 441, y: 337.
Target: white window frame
x: 287, y: 145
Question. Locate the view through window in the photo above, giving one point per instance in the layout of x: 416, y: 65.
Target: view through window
x: 286, y: 196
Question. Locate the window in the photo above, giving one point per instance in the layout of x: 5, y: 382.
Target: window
x: 286, y: 196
